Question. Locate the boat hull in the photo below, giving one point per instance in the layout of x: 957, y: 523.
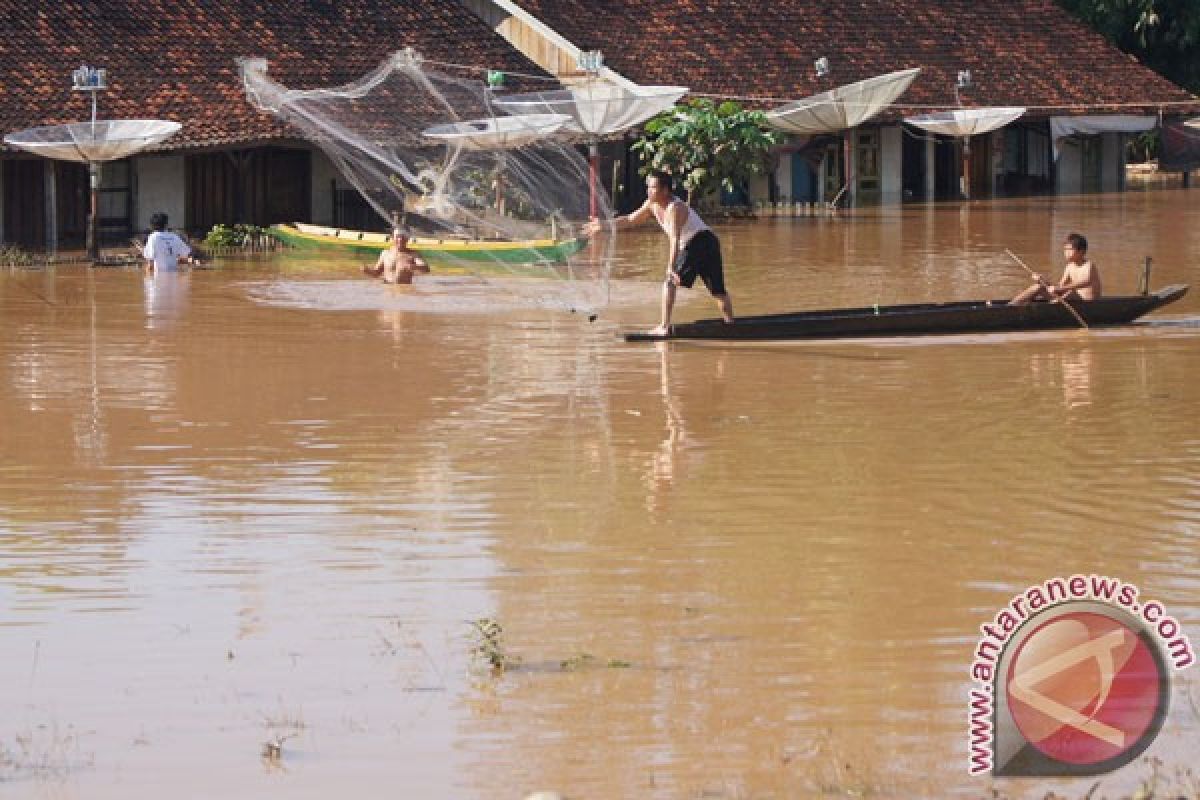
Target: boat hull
x: 435, y: 251
x: 924, y: 319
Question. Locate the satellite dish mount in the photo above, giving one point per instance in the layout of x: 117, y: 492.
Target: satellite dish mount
x: 962, y: 83
x: 92, y: 80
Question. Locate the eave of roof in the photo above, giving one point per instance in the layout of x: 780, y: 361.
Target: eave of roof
x: 1020, y: 52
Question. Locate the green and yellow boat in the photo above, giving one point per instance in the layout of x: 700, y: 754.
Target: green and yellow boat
x: 436, y: 251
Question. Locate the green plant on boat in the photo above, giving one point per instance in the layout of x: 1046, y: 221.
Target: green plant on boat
x: 231, y: 236
x: 13, y: 256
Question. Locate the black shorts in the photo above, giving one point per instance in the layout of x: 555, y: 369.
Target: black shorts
x: 701, y: 258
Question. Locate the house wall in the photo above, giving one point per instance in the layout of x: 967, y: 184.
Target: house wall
x: 759, y: 189
x: 891, y: 156
x: 1069, y: 167
x: 1068, y: 170
x: 324, y: 173
x: 997, y: 162
x: 1113, y: 162
x: 159, y: 181
x: 783, y: 177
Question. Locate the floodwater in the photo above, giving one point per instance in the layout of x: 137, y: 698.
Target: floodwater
x: 261, y: 505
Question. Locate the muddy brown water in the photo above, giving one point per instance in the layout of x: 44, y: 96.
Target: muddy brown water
x: 262, y: 502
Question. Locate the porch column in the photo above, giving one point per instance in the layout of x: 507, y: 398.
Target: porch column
x: 930, y: 168
x: 50, y: 181
x: 891, y: 165
x: 850, y: 147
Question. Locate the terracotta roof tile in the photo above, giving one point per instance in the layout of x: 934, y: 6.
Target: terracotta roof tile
x: 1020, y: 52
x: 177, y: 60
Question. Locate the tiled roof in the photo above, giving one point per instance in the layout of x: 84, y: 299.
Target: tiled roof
x: 176, y: 59
x: 1020, y: 52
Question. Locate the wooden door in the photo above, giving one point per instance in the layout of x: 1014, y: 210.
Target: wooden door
x: 114, y: 217
x: 259, y: 186
x: 867, y: 170
x: 72, y: 196
x: 25, y: 203
x: 982, y: 183
x: 1091, y: 156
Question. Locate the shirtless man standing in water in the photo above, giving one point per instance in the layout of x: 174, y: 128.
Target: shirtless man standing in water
x: 694, y: 249
x: 398, y: 264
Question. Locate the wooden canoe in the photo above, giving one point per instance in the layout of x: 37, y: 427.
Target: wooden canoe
x: 435, y: 251
x: 977, y: 316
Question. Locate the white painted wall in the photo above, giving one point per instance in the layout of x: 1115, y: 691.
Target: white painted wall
x: 997, y: 145
x: 1112, y: 162
x: 891, y: 158
x: 760, y: 188
x: 1069, y: 168
x: 323, y: 175
x: 160, y: 187
x: 783, y: 176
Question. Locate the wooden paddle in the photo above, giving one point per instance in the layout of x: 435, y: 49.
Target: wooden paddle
x: 1038, y: 278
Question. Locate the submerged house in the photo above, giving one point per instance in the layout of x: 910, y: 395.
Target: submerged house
x: 230, y: 163
x: 1083, y: 96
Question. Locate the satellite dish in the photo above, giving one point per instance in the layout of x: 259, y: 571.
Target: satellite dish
x: 498, y: 132
x: 597, y: 108
x: 93, y: 142
x: 844, y: 107
x: 965, y: 121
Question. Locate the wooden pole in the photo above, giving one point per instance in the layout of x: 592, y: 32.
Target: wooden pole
x: 93, y: 247
x: 593, y: 176
x: 1144, y: 282
x: 849, y: 167
x: 966, y: 168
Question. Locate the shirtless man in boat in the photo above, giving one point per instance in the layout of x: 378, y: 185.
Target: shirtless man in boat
x: 694, y: 249
x: 398, y: 264
x: 1080, y: 278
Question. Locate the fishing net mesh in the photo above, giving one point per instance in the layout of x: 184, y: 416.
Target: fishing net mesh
x: 430, y: 149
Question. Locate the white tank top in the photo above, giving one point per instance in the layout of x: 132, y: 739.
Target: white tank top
x: 691, y: 226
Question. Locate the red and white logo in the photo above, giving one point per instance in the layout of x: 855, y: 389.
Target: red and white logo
x: 1085, y: 688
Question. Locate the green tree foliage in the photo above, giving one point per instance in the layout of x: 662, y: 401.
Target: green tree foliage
x: 1162, y: 34
x: 704, y: 145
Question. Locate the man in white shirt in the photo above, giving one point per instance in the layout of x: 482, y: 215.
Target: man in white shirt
x: 164, y: 249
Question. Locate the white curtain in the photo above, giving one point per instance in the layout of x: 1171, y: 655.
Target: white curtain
x: 1088, y: 126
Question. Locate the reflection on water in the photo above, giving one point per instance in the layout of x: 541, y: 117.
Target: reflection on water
x: 1077, y: 379
x: 166, y: 297
x: 250, y: 505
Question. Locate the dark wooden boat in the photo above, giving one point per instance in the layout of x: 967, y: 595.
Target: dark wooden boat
x: 922, y: 319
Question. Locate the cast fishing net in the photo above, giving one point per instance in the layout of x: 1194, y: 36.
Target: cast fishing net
x: 497, y: 195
